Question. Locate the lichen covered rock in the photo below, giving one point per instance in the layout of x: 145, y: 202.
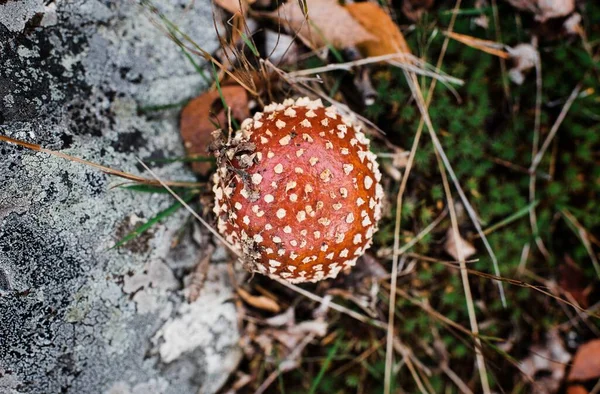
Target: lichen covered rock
x: 80, y: 77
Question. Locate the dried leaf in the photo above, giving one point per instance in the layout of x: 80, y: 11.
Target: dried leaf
x: 316, y: 327
x: 572, y: 280
x: 287, y: 318
x: 525, y: 57
x: 572, y: 24
x: 260, y: 302
x: 450, y: 246
x: 545, y: 9
x: 377, y: 22
x: 550, y: 357
x: 586, y: 363
x: 413, y: 9
x: 196, y: 120
x: 328, y: 23
x: 293, y: 335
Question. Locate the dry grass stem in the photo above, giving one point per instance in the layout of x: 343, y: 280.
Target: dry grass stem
x: 534, y: 151
x: 584, y: 236
x: 465, y: 280
x: 563, y: 113
x: 408, y: 62
x: 491, y: 47
x: 106, y: 170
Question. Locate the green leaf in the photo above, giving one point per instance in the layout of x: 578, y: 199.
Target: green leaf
x: 152, y: 221
x: 250, y: 44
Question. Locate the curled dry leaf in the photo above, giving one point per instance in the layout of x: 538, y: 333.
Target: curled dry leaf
x: 586, y: 363
x: 328, y: 23
x: 572, y: 24
x: 260, y: 302
x: 545, y: 9
x: 525, y: 57
x: 450, y: 246
x: 196, y: 123
x: 550, y: 357
x: 287, y: 318
x: 292, y: 336
x: 377, y: 22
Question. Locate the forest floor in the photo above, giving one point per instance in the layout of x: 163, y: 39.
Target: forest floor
x: 487, y: 131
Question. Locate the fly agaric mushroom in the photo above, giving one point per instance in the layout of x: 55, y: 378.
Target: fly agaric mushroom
x: 297, y: 191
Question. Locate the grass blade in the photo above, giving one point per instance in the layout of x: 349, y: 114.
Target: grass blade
x: 517, y: 215
x: 330, y: 354
x: 152, y: 221
x: 225, y: 106
x: 250, y: 44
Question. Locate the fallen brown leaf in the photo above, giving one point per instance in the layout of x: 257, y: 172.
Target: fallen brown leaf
x: 328, y: 23
x: 525, y: 57
x: 572, y: 280
x: 545, y: 9
x: 377, y: 22
x: 195, y: 122
x: 586, y: 363
x: 450, y: 246
x: 260, y: 302
x: 551, y: 357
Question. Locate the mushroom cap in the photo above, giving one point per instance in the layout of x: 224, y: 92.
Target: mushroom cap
x: 298, y: 192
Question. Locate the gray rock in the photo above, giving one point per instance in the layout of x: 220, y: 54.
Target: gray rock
x: 76, y: 316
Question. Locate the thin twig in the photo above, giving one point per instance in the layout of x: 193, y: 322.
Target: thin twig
x: 107, y: 170
x: 332, y: 305
x: 406, y: 354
